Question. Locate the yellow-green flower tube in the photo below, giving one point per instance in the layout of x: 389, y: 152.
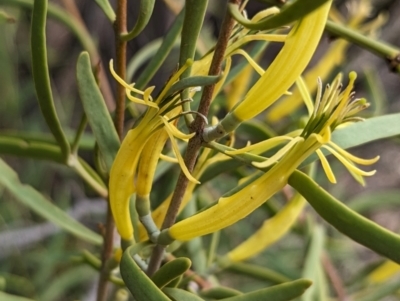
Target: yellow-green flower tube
x: 299, y: 47
x: 271, y: 231
x: 231, y: 209
x: 121, y: 185
x: 291, y: 61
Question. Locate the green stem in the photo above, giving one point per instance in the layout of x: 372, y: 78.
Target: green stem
x: 78, y: 135
x: 41, y: 75
x: 31, y: 149
x: 257, y: 271
x: 194, y: 17
x: 381, y: 49
x: 87, y: 176
x: 347, y: 221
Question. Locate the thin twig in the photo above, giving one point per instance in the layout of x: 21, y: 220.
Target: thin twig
x: 196, y: 142
x: 119, y: 27
x: 334, y: 277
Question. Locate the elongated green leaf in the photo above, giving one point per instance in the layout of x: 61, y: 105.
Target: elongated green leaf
x: 107, y: 9
x: 257, y: 271
x: 281, y: 292
x: 39, y: 204
x: 41, y: 75
x: 194, y: 81
x: 181, y: 295
x: 8, y: 297
x: 381, y: 291
x: 145, y: 12
x: 64, y: 282
x: 375, y: 200
x: 347, y: 221
x: 288, y: 14
x: 313, y: 260
x: 170, y: 271
x: 220, y: 292
x: 158, y: 55
x: 138, y: 283
x: 96, y: 110
x: 30, y: 149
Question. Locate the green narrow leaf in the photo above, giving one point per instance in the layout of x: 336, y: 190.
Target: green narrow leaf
x: 8, y: 297
x: 138, y: 283
x: 39, y: 204
x: 347, y: 221
x: 193, y: 81
x: 181, y: 295
x: 375, y: 200
x: 66, y: 281
x: 258, y: 272
x: 159, y: 57
x: 220, y: 292
x: 381, y: 291
x: 145, y: 12
x: 107, y: 9
x: 30, y: 149
x: 288, y: 14
x: 313, y: 260
x: 96, y: 110
x: 281, y: 292
x: 170, y: 271
x: 41, y: 74
x: 194, y: 16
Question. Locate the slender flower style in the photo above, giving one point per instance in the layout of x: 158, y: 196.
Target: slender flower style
x: 332, y: 109
x: 291, y: 61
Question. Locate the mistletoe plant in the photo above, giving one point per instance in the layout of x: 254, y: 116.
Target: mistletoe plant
x: 162, y: 158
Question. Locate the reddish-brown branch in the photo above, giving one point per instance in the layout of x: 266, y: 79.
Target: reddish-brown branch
x: 196, y: 142
x: 119, y: 27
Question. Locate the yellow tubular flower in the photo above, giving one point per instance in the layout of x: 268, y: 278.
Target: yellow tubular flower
x: 331, y: 59
x: 299, y: 47
x: 231, y: 209
x: 331, y: 109
x: 121, y: 177
x: 158, y: 214
x: 123, y: 171
x: 291, y: 61
x: 384, y: 272
x: 270, y: 232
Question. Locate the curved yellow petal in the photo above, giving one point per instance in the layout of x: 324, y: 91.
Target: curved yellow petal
x: 348, y: 164
x: 121, y: 185
x: 148, y: 162
x: 252, y: 63
x: 291, y: 61
x: 270, y: 232
x: 168, y: 158
x: 353, y: 158
x: 172, y: 129
x: 327, y: 168
x: 262, y: 146
x: 138, y: 100
x: 178, y: 155
x: 278, y: 155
